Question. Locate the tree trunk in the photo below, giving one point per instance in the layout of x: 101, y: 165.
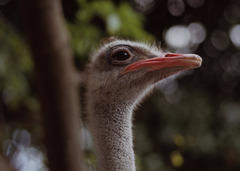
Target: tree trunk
x: 4, y: 164
x: 58, y: 89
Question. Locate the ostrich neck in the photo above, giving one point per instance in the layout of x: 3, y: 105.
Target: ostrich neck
x: 112, y: 131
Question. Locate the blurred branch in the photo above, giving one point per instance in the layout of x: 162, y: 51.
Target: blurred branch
x: 58, y: 89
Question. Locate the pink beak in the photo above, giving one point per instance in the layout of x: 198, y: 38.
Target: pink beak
x: 169, y: 60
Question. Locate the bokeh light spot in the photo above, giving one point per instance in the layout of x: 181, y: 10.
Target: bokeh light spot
x: 235, y: 35
x: 21, y: 154
x: 195, y: 3
x: 198, y: 32
x: 220, y: 40
x: 176, y: 7
x: 176, y: 159
x: 178, y: 36
x: 113, y: 23
x: 144, y: 5
x: 179, y: 140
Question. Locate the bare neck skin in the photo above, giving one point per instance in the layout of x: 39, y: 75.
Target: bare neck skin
x: 110, y: 117
x: 113, y: 139
x: 111, y: 126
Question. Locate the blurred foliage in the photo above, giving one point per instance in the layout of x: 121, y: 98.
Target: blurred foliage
x: 15, y: 67
x: 98, y: 19
x: 192, y: 123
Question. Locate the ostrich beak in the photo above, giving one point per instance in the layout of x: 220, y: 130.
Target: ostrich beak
x: 169, y: 60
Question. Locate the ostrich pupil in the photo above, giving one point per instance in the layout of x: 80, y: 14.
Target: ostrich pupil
x: 121, y: 55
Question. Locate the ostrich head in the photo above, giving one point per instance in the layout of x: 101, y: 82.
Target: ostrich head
x: 127, y: 70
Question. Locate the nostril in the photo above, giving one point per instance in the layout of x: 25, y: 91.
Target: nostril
x: 172, y: 54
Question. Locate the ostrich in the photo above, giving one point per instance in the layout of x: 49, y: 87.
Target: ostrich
x: 119, y: 75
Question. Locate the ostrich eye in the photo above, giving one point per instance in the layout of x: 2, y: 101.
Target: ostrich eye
x: 121, y: 55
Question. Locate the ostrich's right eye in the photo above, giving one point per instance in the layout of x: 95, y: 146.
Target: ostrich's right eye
x: 121, y: 55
